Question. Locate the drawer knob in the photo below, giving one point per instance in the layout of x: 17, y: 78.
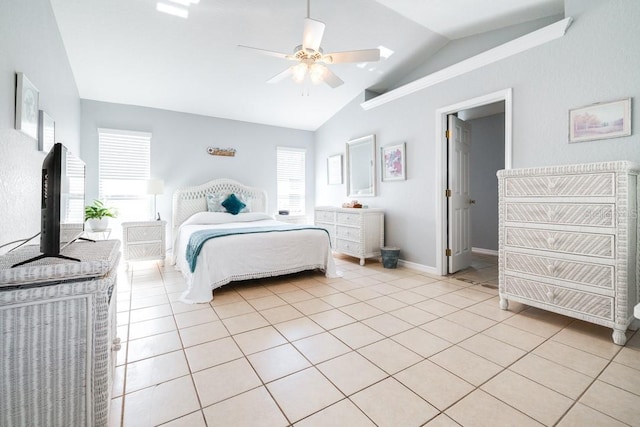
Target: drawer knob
x: 116, y: 347
x: 551, y: 296
x: 117, y: 340
x: 551, y: 241
x: 552, y: 185
x: 551, y: 268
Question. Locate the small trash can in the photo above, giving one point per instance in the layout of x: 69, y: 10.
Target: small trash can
x: 390, y: 256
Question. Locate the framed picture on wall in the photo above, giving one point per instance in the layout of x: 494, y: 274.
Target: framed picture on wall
x: 334, y: 169
x: 46, y: 132
x: 600, y: 121
x: 26, y: 106
x: 394, y: 162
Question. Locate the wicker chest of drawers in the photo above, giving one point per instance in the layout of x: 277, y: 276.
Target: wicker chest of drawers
x: 568, y: 238
x: 355, y: 232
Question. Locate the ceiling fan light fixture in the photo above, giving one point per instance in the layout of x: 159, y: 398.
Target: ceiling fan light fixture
x: 317, y: 73
x: 311, y: 58
x: 299, y: 71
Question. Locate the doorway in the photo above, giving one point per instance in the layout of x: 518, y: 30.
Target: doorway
x: 447, y: 227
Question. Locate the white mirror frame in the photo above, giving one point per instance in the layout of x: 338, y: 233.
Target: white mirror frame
x: 361, y: 167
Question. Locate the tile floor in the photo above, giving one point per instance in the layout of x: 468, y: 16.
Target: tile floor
x: 386, y: 347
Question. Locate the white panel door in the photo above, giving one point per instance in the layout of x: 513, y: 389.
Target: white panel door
x: 459, y: 212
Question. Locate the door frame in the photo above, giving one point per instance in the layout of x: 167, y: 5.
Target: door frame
x: 505, y: 95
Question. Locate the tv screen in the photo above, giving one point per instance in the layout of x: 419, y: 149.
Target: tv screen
x: 62, y: 207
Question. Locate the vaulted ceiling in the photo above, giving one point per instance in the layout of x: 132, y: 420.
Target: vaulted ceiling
x: 125, y: 51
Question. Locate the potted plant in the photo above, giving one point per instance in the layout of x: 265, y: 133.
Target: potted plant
x: 97, y: 215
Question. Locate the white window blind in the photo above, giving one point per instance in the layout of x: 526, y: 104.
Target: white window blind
x: 124, y: 168
x: 73, y: 191
x: 291, y: 179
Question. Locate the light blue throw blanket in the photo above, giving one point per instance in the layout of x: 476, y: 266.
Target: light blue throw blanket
x: 199, y: 238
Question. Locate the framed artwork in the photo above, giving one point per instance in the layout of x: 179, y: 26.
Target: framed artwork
x: 600, y: 121
x: 46, y: 132
x: 394, y: 162
x: 26, y: 106
x: 334, y: 169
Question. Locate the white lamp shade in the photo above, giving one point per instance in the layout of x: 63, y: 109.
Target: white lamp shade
x: 155, y: 186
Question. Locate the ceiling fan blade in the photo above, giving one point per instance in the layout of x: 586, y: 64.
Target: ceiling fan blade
x: 312, y: 34
x: 331, y: 79
x: 281, y: 76
x: 269, y: 52
x: 365, y: 55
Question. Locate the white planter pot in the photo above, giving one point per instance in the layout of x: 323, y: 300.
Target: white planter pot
x: 98, y: 224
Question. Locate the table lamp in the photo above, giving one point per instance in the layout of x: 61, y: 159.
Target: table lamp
x: 155, y: 187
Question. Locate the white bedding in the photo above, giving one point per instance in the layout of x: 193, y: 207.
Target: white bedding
x: 248, y: 256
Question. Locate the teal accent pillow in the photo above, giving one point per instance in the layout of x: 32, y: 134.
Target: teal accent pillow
x: 233, y: 205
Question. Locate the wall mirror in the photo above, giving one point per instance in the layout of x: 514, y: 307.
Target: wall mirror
x: 361, y: 167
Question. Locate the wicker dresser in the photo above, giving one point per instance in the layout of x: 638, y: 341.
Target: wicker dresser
x: 57, y: 336
x: 355, y: 232
x: 568, y: 241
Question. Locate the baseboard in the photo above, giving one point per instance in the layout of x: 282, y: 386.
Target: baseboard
x: 419, y: 267
x: 484, y: 251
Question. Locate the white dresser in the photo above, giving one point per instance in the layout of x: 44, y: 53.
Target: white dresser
x: 58, y: 335
x: 143, y: 241
x: 355, y: 232
x: 568, y: 241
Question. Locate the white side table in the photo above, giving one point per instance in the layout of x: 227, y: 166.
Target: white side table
x: 143, y: 241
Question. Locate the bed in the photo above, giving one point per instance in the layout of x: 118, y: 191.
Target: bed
x: 247, y: 245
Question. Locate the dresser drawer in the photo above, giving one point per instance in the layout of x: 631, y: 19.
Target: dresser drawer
x: 325, y: 216
x: 569, y: 299
x: 601, y: 276
x: 347, y: 246
x: 144, y: 234
x: 349, y: 233
x: 144, y: 250
x: 592, y: 244
x: 348, y: 218
x: 592, y: 214
x: 561, y: 185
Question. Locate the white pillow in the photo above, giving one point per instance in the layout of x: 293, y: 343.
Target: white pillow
x: 204, y: 218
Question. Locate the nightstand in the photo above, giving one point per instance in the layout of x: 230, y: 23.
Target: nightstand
x: 143, y: 241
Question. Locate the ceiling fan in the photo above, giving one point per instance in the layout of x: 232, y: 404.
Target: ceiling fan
x: 311, y: 58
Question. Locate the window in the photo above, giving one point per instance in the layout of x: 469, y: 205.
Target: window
x: 291, y: 179
x: 73, y: 190
x: 124, y: 169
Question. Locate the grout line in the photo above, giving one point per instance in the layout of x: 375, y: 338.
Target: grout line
x: 357, y: 350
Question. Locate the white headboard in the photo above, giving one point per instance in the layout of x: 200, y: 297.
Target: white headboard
x: 190, y: 200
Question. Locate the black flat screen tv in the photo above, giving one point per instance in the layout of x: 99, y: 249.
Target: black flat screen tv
x: 62, y: 202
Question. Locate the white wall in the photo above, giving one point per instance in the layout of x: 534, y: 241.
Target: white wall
x: 597, y: 60
x: 179, y: 149
x: 30, y: 43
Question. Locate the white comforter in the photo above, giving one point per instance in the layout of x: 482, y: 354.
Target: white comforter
x: 248, y: 256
